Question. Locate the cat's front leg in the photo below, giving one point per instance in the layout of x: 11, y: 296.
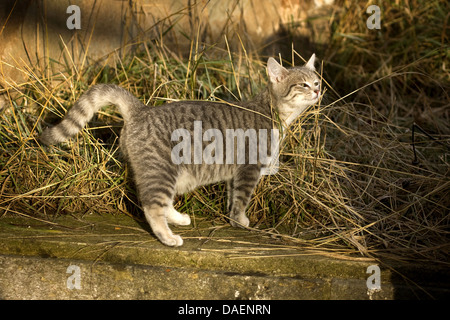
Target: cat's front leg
x: 238, y: 218
x: 242, y: 185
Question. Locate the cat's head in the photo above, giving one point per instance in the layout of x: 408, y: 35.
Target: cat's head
x: 293, y: 89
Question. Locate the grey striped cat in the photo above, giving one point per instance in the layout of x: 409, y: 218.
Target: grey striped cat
x: 160, y: 142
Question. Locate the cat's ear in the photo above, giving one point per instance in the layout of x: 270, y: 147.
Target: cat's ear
x: 277, y: 73
x: 310, y: 63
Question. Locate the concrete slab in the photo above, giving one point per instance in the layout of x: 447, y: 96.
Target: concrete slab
x: 115, y: 257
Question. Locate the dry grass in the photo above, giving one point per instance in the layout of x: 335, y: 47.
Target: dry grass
x: 348, y: 183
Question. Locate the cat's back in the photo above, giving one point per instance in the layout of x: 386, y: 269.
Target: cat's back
x: 212, y: 115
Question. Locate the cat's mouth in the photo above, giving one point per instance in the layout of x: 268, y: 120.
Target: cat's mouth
x: 316, y: 95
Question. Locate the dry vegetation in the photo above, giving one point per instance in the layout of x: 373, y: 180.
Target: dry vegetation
x: 350, y: 182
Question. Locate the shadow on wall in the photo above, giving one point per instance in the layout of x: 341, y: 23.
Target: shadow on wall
x: 36, y: 33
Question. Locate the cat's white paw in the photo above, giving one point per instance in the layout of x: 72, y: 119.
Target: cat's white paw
x: 184, y: 220
x: 240, y: 221
x: 172, y: 240
x: 174, y: 217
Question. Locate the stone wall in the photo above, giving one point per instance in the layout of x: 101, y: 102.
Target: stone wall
x: 35, y: 33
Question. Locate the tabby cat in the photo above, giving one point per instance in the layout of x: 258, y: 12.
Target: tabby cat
x: 148, y: 141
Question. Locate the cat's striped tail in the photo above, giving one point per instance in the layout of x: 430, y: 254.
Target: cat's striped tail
x: 84, y: 109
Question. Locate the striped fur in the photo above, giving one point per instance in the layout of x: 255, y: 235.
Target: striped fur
x: 84, y: 109
x: 146, y: 140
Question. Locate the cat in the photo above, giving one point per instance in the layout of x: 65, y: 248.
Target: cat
x: 149, y: 142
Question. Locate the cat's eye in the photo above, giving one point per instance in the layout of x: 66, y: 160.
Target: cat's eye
x: 316, y: 83
x: 303, y: 85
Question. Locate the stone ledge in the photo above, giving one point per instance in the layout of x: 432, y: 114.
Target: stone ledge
x: 118, y: 259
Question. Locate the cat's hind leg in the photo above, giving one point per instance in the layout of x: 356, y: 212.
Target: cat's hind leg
x: 156, y: 200
x: 156, y: 215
